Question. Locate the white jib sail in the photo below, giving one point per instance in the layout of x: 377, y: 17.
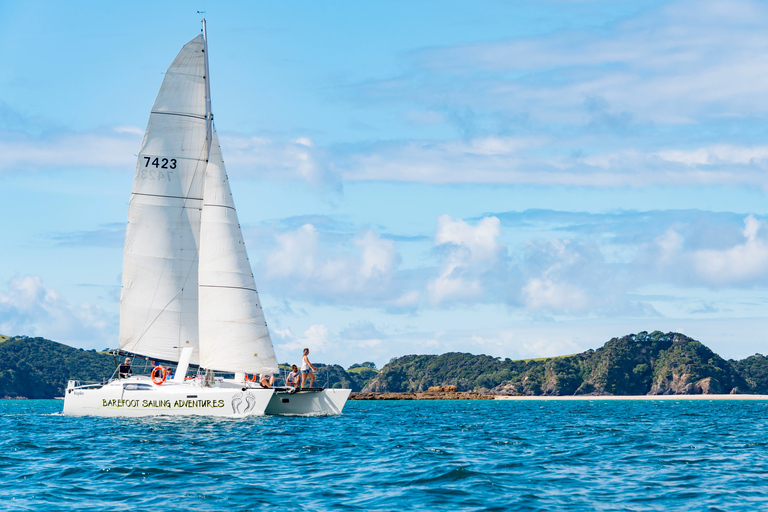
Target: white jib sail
x: 233, y: 333
x: 158, y: 303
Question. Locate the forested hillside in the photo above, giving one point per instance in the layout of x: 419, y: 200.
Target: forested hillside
x: 637, y: 364
x: 40, y: 368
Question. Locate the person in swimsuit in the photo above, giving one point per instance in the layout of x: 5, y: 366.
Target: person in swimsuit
x: 293, y: 378
x: 266, y: 380
x: 307, y: 370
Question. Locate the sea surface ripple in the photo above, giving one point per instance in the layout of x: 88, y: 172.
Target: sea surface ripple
x: 406, y: 455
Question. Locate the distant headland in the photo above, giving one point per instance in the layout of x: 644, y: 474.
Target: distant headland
x: 645, y: 363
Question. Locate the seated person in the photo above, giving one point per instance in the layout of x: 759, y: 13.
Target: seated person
x: 294, y: 378
x: 266, y: 380
x: 124, y: 371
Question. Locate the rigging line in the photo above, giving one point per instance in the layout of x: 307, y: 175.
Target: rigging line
x: 157, y: 316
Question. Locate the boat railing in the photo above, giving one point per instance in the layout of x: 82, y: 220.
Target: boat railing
x: 80, y: 385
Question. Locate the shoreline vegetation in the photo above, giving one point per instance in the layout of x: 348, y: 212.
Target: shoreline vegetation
x: 643, y: 365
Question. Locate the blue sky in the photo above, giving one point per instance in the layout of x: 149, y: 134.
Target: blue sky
x: 520, y: 179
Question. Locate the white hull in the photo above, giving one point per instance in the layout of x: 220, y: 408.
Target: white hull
x: 308, y: 403
x: 138, y: 396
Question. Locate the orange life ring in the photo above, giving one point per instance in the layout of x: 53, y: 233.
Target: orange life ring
x: 252, y: 379
x: 159, y: 379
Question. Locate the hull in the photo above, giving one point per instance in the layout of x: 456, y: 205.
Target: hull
x: 308, y: 403
x: 138, y: 396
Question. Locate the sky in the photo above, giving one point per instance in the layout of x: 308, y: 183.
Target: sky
x: 519, y: 178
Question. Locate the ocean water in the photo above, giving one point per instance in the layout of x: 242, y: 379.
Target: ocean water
x: 407, y: 455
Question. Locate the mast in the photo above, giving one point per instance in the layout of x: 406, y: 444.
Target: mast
x: 208, y: 113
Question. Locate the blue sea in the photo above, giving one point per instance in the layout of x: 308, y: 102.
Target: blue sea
x: 404, y: 455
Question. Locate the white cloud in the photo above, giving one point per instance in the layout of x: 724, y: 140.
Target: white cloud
x: 468, y: 251
x: 295, y: 255
x: 667, y: 65
x: 541, y: 346
x: 604, y: 267
x: 477, y: 160
x: 114, y: 148
x: 135, y: 130
x: 743, y: 263
x: 481, y: 240
x: 669, y: 244
x: 449, y: 286
x: 361, y: 334
x: 721, y: 260
x: 365, y: 269
x: 379, y: 257
x: 717, y: 155
x: 481, y: 161
x: 264, y: 157
x: 315, y: 339
x: 586, y: 107
x: 28, y: 307
x: 555, y: 296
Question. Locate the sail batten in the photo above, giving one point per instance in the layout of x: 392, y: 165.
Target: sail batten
x: 171, y: 197
x: 225, y: 286
x: 182, y: 114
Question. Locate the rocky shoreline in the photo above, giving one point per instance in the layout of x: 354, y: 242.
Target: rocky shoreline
x: 433, y: 393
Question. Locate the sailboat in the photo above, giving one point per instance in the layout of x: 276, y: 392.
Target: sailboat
x: 188, y: 295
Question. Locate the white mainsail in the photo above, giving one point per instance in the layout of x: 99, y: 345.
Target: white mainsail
x: 158, y: 303
x: 233, y: 332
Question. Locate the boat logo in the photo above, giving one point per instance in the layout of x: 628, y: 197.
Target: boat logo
x: 237, y: 402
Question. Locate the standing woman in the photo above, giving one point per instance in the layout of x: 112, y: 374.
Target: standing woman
x: 307, y: 370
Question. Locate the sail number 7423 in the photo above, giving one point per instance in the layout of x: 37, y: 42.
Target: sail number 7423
x: 153, y: 168
x: 159, y: 163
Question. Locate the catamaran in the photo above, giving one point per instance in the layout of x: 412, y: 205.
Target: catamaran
x: 188, y: 295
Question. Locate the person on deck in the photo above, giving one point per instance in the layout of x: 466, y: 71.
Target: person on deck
x: 124, y: 371
x: 307, y: 370
x: 266, y: 380
x: 294, y: 378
